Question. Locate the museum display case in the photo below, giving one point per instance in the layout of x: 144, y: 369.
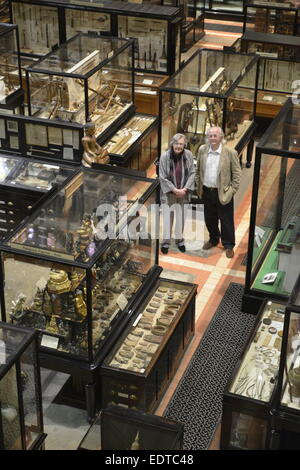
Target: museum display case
x: 192, y: 28
x: 205, y: 92
x: 143, y: 361
x: 271, y: 18
x: 53, y: 141
x: 157, y: 38
x: 24, y: 184
x: 277, y: 78
x: 248, y: 397
x: 87, y: 264
x: 146, y: 92
x: 155, y: 28
x: 273, y: 248
x: 280, y: 46
x: 83, y: 81
x: 287, y: 402
x: 11, y: 93
x: 116, y: 428
x: 134, y: 145
x: 21, y: 415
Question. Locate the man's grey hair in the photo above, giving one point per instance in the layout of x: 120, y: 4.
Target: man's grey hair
x: 176, y: 137
x: 219, y: 129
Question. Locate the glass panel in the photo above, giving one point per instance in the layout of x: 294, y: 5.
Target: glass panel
x: 10, y: 340
x: 190, y: 115
x: 31, y: 402
x: 151, y: 41
x: 6, y: 166
x: 52, y: 299
x: 291, y: 382
x: 9, y: 71
x: 9, y: 412
x: 85, y: 21
x: 267, y: 203
x: 76, y: 222
x: 277, y: 220
x: 110, y: 91
x: 38, y: 27
x: 279, y: 75
x: 240, y: 115
x: 248, y: 432
x: 256, y: 375
x: 210, y: 71
x: 285, y: 135
x: 39, y: 175
x: 120, y: 272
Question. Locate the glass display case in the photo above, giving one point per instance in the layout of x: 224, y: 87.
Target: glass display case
x: 143, y: 361
x: 134, y: 145
x: 247, y: 400
x: 146, y: 92
x: 205, y: 92
x: 272, y: 18
x: 157, y: 38
x: 275, y: 85
x: 192, y: 29
x: 155, y: 28
x: 89, y: 253
x: 116, y: 428
x: 83, y: 80
x: 21, y: 416
x: 287, y: 402
x: 24, y: 184
x: 273, y: 250
x: 11, y: 93
x: 280, y: 46
x: 54, y: 141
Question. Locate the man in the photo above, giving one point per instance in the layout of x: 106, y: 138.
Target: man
x: 177, y: 178
x: 217, y: 180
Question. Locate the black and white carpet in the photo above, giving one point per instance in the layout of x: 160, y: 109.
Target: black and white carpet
x: 197, y: 401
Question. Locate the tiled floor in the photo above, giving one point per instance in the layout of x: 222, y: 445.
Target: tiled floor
x: 212, y: 271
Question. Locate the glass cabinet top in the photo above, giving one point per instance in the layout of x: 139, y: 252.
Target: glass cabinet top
x: 32, y: 174
x: 137, y: 349
x: 81, y: 216
x: 283, y: 133
x: 7, y: 164
x: 209, y: 71
x: 80, y: 55
x: 11, y: 339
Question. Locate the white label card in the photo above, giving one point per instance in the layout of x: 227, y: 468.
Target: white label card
x: 147, y: 81
x: 122, y: 301
x: 49, y: 341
